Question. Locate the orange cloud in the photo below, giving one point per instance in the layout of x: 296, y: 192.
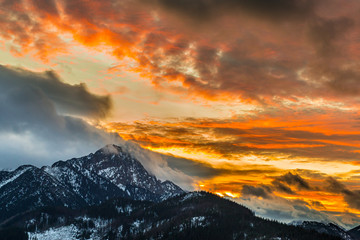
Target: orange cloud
x: 235, y: 147
x: 262, y: 135
x: 253, y: 59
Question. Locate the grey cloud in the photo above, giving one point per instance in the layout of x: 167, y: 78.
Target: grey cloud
x: 324, y: 33
x: 352, y: 198
x: 317, y: 204
x: 273, y: 10
x: 281, y: 184
x: 295, y: 180
x: 334, y: 185
x: 45, y: 6
x: 31, y: 129
x: 286, y: 210
x: 68, y: 99
x: 193, y: 168
x: 261, y: 191
x: 204, y: 170
x: 282, y: 188
x: 344, y: 82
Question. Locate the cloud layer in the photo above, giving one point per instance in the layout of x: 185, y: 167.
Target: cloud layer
x: 270, y: 136
x: 283, y: 49
x: 36, y: 118
x: 35, y: 128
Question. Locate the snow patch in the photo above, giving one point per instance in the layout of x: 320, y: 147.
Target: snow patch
x: 191, y: 195
x: 18, y: 174
x: 66, y: 232
x: 198, y: 221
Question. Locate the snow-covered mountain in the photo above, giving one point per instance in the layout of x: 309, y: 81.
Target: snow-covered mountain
x: 109, y: 172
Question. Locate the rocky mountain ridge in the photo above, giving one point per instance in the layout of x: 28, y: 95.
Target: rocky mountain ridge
x: 79, y: 182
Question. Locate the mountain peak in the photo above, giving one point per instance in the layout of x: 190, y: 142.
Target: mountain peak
x: 109, y: 149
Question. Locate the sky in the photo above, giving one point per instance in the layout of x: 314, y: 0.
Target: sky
x: 257, y: 101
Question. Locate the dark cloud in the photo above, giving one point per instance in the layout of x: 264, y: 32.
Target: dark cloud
x: 343, y: 82
x: 330, y: 184
x: 352, y: 198
x: 193, y: 168
x: 68, y: 99
x: 206, y: 171
x: 335, y: 186
x: 46, y: 7
x: 281, y: 183
x: 208, y: 9
x: 282, y: 188
x: 260, y: 191
x: 325, y: 32
x: 318, y: 204
x: 294, y: 180
x: 30, y: 119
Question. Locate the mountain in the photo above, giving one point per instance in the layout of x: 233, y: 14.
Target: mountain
x: 328, y: 228
x: 108, y: 173
x: 116, y: 166
x: 355, y: 233
x: 195, y: 215
x: 110, y: 195
x: 29, y: 187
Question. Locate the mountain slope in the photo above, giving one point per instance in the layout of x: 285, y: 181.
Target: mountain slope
x: 28, y: 188
x: 328, y: 228
x: 120, y: 168
x: 355, y: 233
x: 196, y: 215
x: 110, y: 172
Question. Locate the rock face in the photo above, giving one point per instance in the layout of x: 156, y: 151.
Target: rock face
x: 109, y: 172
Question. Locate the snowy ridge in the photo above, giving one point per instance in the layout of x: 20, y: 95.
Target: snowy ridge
x: 17, y: 174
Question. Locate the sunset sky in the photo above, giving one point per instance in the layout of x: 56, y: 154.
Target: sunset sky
x: 255, y: 100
